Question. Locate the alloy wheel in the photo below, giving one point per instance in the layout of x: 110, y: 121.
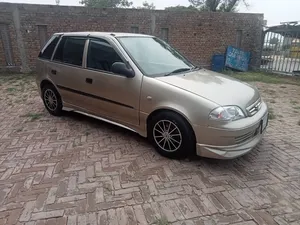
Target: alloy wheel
x: 50, y: 99
x: 167, y: 135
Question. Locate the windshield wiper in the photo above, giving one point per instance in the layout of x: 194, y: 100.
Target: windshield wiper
x: 178, y: 71
x: 196, y: 68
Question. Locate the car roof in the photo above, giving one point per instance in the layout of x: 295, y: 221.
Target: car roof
x: 102, y: 34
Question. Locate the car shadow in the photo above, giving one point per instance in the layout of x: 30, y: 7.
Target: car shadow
x: 193, y: 158
x: 96, y: 123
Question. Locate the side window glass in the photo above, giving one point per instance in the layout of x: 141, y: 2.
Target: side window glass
x: 48, y: 49
x: 70, y: 50
x: 101, y: 55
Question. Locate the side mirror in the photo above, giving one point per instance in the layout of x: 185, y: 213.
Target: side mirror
x: 121, y: 68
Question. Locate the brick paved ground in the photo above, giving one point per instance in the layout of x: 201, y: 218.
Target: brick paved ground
x: 76, y: 170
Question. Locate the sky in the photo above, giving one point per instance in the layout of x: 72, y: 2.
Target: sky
x: 275, y: 11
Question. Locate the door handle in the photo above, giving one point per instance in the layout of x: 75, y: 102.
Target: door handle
x: 53, y: 72
x: 89, y: 80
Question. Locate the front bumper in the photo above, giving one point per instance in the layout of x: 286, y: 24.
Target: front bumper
x: 234, y: 141
x: 228, y: 152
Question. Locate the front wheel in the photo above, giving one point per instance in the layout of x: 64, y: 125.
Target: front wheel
x: 52, y: 100
x: 171, y: 135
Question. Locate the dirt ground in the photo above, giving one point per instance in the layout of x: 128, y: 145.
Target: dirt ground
x: 77, y: 170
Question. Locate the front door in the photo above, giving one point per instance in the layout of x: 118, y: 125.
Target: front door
x: 112, y: 96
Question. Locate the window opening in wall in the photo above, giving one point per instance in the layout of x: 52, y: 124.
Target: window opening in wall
x: 42, y: 30
x: 135, y: 29
x: 239, y: 38
x: 6, y: 44
x: 165, y: 34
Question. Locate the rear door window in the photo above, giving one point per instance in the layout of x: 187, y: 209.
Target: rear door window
x: 47, y: 51
x: 70, y: 50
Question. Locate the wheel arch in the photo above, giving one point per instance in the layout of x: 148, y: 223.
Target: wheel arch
x: 49, y: 82
x: 160, y: 110
x: 46, y: 82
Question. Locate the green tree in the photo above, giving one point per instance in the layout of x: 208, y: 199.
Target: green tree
x: 107, y: 3
x: 181, y: 7
x: 147, y: 5
x: 217, y: 5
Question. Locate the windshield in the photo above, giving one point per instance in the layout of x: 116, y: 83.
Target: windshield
x: 154, y: 56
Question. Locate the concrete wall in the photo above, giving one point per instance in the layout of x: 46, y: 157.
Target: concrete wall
x: 198, y: 35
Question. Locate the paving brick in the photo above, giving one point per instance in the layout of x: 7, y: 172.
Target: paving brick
x: 26, y: 214
x: 81, y: 220
x: 152, y: 213
x: 102, y: 218
x: 82, y: 177
x: 51, y: 195
x: 71, y: 198
x: 188, y: 209
x: 115, y: 177
x: 99, y: 195
x: 72, y: 220
x: 112, y: 217
x: 139, y: 214
x: 47, y: 215
x: 126, y: 190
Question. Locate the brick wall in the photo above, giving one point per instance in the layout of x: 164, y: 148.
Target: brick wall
x: 2, y: 59
x: 197, y: 35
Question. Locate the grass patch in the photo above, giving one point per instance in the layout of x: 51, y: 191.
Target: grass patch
x: 264, y: 78
x: 162, y: 221
x: 294, y: 102
x: 11, y: 89
x: 271, y: 92
x: 271, y: 114
x: 296, y: 107
x: 33, y: 116
x: 15, y: 79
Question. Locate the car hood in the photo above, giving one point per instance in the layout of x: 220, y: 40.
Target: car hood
x: 216, y: 87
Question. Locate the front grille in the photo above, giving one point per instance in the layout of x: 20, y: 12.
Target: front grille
x: 254, y: 108
x: 245, y: 137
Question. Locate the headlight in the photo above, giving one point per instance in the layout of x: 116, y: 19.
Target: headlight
x: 226, y: 113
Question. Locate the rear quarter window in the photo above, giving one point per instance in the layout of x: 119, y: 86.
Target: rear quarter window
x: 47, y: 51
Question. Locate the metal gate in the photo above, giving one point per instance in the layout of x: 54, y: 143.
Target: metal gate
x: 281, y: 49
x: 6, y: 44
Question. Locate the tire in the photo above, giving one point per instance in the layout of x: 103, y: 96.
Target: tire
x: 52, y: 100
x: 181, y: 139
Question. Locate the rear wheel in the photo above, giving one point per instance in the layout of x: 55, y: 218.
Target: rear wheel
x: 171, y: 135
x: 52, y: 100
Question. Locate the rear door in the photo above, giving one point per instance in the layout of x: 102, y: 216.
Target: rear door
x: 67, y: 72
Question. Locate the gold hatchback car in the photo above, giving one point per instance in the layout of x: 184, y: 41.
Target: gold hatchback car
x: 141, y: 83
